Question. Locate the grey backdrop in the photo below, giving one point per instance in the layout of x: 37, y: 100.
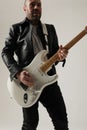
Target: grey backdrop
x: 70, y: 18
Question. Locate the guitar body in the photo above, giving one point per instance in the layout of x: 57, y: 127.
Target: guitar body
x: 28, y: 97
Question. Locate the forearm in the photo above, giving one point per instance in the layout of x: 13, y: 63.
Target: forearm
x: 10, y: 63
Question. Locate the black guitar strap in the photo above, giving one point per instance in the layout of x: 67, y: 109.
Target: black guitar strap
x: 45, y: 34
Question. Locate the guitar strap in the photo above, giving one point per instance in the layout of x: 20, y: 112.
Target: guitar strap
x: 46, y: 38
x: 45, y: 32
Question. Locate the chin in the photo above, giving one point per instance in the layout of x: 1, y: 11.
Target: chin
x: 35, y: 19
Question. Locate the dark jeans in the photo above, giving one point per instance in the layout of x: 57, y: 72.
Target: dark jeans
x: 52, y: 100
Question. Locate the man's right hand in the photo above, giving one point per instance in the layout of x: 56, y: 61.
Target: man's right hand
x: 25, y: 78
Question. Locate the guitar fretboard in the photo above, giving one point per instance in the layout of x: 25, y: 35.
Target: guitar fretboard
x: 76, y: 39
x: 55, y: 57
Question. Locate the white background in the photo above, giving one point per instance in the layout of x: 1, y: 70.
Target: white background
x: 69, y: 18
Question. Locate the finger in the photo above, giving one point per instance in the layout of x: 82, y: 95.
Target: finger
x: 28, y: 79
x: 60, y: 46
x: 26, y: 73
x: 27, y: 83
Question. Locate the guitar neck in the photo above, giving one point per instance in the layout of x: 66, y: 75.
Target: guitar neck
x: 76, y: 39
x: 55, y: 57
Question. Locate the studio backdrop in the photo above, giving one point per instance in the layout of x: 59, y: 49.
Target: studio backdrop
x: 69, y: 18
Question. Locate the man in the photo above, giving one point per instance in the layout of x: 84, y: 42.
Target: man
x: 26, y: 39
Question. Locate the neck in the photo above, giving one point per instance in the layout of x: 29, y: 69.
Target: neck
x: 33, y: 22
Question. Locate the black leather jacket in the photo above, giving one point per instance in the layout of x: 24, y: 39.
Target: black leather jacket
x: 17, y: 43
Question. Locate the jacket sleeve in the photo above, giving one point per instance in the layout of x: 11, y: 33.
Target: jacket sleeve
x: 8, y: 53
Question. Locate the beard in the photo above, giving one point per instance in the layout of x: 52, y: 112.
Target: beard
x: 34, y: 15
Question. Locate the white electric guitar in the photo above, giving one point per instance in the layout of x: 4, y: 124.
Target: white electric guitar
x: 38, y: 68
